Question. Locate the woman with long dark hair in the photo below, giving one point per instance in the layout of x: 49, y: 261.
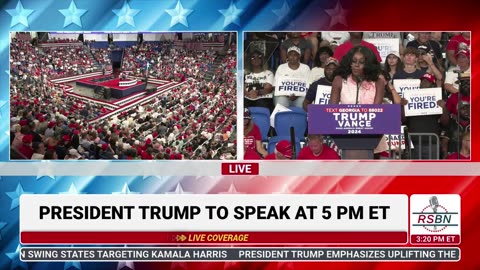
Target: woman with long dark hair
x: 357, y: 79
x: 319, y: 62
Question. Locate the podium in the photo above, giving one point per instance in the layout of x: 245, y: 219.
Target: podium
x: 356, y: 129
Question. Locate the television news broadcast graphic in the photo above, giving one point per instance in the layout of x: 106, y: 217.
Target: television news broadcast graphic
x: 437, y: 221
x: 149, y: 191
x: 241, y: 219
x: 368, y: 177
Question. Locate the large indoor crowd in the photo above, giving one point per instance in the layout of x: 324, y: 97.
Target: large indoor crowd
x: 194, y: 120
x: 351, y: 67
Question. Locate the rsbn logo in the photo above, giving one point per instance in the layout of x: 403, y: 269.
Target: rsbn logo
x: 434, y: 217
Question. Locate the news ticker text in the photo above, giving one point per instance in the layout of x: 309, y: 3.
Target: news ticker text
x: 238, y: 254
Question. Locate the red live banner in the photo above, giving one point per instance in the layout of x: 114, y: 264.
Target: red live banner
x: 240, y: 168
x: 213, y: 237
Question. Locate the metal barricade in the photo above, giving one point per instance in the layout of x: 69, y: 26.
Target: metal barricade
x: 421, y: 151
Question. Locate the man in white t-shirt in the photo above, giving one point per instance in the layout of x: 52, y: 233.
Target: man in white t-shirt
x: 463, y: 66
x: 291, y: 80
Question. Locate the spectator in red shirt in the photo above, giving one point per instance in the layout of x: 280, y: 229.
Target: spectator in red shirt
x: 457, y: 43
x: 252, y: 140
x: 283, y: 151
x: 356, y: 39
x: 316, y: 149
x: 465, y: 150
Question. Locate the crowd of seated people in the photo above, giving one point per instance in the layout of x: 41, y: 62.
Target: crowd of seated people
x: 166, y: 62
x: 195, y: 120
x: 330, y: 59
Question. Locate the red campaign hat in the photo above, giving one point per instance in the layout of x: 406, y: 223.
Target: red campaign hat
x: 462, y: 52
x: 172, y: 156
x: 429, y: 77
x: 99, y: 130
x: 179, y: 156
x: 148, y: 142
x: 76, y: 132
x: 284, y: 147
x: 51, y: 124
x: 23, y: 122
x: 66, y: 137
x: 90, y: 127
x: 27, y: 138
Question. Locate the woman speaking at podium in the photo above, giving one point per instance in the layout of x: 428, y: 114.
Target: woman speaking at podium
x: 357, y: 81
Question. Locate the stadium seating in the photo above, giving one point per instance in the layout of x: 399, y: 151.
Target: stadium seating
x: 261, y: 117
x: 296, y: 119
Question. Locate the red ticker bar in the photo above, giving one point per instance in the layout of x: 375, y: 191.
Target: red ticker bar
x: 213, y: 237
x: 435, y: 239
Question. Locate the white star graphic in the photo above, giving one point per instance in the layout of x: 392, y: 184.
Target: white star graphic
x: 15, y: 196
x: 179, y: 14
x: 125, y: 264
x: 125, y: 190
x: 282, y: 12
x: 338, y: 15
x: 284, y: 190
x: 126, y: 14
x: 231, y: 190
x: 179, y: 190
x: 72, y: 14
x: 45, y: 170
x: 69, y: 265
x: 19, y: 14
x: 231, y: 14
x: 71, y: 190
x: 16, y: 262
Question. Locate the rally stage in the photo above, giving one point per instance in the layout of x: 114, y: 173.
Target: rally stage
x: 118, y: 88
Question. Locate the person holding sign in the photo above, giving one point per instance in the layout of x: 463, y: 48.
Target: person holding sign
x: 258, y: 82
x: 319, y: 91
x: 424, y: 148
x: 291, y: 80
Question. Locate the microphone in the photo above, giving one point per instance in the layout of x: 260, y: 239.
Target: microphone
x: 434, y: 205
x: 293, y: 142
x: 457, y: 71
x: 359, y: 83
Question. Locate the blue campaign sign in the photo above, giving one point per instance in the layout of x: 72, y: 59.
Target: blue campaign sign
x: 354, y: 119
